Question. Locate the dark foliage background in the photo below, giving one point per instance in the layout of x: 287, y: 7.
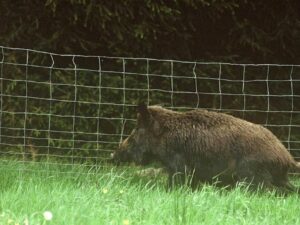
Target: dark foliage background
x: 232, y: 30
x: 239, y: 31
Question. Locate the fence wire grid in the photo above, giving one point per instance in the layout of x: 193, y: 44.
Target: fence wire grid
x: 77, y: 108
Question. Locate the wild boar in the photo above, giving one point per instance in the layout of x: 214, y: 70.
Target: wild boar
x: 209, y: 146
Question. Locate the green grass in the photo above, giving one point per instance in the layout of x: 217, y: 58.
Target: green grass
x: 110, y: 195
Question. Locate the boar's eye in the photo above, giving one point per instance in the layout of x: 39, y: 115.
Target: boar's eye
x: 139, y: 134
x: 141, y: 131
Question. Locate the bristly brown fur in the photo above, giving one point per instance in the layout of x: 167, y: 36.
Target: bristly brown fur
x: 210, y: 146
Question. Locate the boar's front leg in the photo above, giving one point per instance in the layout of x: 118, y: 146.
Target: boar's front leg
x: 178, y: 171
x: 176, y: 179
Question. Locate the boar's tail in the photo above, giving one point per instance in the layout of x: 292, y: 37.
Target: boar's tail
x: 296, y: 168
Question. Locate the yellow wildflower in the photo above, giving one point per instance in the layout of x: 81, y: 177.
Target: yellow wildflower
x: 104, y: 190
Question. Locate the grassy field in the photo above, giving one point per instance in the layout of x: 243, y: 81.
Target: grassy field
x: 110, y: 195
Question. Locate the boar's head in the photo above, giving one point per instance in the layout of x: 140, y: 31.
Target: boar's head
x: 138, y: 146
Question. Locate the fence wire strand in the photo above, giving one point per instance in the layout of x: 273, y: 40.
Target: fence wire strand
x: 79, y: 107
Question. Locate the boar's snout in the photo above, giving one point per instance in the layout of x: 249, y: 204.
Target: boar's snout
x: 121, y: 155
x: 133, y: 149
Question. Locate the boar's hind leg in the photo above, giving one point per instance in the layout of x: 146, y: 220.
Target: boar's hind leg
x: 282, y: 183
x: 254, y: 174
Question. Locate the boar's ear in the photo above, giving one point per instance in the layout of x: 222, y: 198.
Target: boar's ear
x: 147, y: 120
x: 143, y: 113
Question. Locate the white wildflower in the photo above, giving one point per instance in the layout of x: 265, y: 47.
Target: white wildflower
x: 48, y: 215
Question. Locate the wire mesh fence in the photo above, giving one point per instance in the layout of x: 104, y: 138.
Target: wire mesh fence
x: 74, y: 108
